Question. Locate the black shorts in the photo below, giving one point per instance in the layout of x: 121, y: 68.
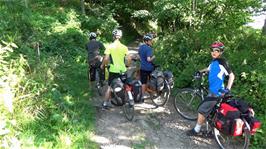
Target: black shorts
x: 112, y: 76
x: 144, y: 76
x: 92, y: 73
x: 207, y: 105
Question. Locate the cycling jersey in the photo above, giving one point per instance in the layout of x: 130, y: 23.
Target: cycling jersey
x: 117, y: 52
x: 218, y: 69
x: 145, y: 51
x: 93, y: 48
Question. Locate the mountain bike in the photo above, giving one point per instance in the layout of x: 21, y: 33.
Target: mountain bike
x: 187, y: 100
x: 225, y: 140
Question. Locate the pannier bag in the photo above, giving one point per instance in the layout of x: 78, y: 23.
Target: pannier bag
x: 118, y: 92
x: 254, y: 125
x: 228, y: 120
x: 156, y: 81
x: 243, y: 107
x: 169, y: 77
x: 136, y: 84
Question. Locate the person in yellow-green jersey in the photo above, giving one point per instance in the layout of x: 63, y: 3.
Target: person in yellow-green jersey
x: 115, y: 53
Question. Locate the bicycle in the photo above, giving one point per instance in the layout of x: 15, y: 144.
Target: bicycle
x: 187, y: 100
x: 122, y: 95
x: 186, y: 104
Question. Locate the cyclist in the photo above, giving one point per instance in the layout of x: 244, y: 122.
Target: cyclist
x: 116, y: 53
x: 93, y: 47
x: 146, y: 65
x: 217, y: 70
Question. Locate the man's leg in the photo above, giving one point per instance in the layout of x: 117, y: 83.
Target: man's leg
x: 144, y: 80
x: 107, y: 98
x: 204, y: 110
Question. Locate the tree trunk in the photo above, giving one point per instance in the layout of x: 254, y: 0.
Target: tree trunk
x: 264, y: 28
x: 82, y: 6
x: 26, y: 3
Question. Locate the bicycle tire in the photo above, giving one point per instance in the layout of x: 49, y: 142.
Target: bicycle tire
x: 225, y: 141
x: 118, y: 100
x: 129, y: 111
x: 99, y: 84
x: 161, y: 98
x: 186, y: 103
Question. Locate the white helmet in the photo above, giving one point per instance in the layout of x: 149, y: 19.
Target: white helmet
x: 117, y: 32
x: 92, y: 35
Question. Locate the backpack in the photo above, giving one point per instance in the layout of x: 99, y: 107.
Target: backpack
x: 228, y: 120
x: 156, y: 81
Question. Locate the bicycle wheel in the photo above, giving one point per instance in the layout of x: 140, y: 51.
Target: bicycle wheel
x: 99, y: 84
x: 186, y: 103
x: 233, y: 142
x: 128, y: 111
x: 160, y: 98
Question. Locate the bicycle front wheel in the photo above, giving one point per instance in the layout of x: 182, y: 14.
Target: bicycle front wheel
x: 186, y: 103
x: 226, y: 141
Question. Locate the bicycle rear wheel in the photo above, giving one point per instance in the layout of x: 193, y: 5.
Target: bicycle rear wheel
x: 186, y: 103
x: 161, y: 98
x: 99, y: 83
x: 233, y: 142
x: 129, y: 111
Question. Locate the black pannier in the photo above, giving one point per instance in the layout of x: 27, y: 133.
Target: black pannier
x: 169, y: 77
x: 156, y: 81
x: 136, y: 84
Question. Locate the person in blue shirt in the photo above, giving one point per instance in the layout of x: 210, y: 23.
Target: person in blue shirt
x: 217, y: 71
x: 146, y: 58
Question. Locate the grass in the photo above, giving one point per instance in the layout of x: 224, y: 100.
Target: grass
x: 68, y: 117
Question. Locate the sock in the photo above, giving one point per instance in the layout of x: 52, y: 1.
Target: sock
x: 197, y: 128
x: 105, y: 103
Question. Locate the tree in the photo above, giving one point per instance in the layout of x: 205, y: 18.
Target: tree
x: 264, y: 28
x: 82, y: 6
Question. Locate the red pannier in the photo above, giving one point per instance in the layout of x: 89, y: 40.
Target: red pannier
x: 254, y: 125
x: 228, y: 120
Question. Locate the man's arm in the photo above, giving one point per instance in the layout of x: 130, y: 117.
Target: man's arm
x: 105, y: 61
x: 150, y: 59
x: 230, y: 80
x: 204, y: 70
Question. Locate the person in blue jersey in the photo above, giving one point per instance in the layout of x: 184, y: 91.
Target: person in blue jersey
x: 146, y: 65
x: 217, y: 71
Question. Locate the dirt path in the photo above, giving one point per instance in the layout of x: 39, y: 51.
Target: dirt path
x: 152, y: 128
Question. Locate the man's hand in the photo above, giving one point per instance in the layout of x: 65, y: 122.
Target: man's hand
x: 102, y: 66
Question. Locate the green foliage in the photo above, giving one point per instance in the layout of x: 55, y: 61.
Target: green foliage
x: 44, y: 98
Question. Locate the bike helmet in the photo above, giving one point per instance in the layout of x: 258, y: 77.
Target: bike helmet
x: 92, y: 35
x: 117, y: 32
x: 217, y: 46
x: 147, y: 37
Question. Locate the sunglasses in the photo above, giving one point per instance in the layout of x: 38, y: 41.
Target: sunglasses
x: 215, y: 49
